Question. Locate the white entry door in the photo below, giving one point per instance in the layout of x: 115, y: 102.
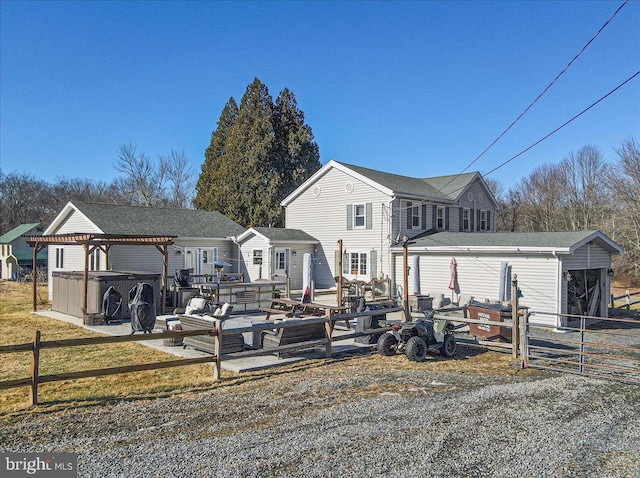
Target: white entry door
x: 192, y: 260
x: 281, y: 261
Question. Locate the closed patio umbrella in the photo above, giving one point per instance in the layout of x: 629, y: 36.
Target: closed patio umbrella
x: 453, y: 283
x: 416, y: 275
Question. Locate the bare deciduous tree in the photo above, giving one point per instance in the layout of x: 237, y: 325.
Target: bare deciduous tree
x: 624, y: 183
x: 144, y: 180
x: 585, y: 189
x: 180, y: 179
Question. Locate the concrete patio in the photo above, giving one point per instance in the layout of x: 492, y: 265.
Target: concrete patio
x: 236, y: 365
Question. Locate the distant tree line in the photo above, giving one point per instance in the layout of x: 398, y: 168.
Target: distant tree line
x: 167, y: 181
x: 583, y: 191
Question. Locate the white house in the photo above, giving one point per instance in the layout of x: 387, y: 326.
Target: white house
x: 371, y: 210
x: 202, y: 237
x: 268, y: 251
x: 16, y: 253
x: 558, y: 272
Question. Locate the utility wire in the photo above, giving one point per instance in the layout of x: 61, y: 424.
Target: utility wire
x: 539, y: 96
x: 559, y: 127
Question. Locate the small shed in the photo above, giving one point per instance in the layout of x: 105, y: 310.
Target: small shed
x: 558, y: 272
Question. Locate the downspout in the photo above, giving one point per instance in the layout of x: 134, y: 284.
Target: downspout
x: 559, y: 285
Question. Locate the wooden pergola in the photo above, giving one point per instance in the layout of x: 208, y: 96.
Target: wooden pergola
x: 91, y: 242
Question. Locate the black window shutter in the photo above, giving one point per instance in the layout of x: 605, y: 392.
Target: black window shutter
x: 434, y: 221
x: 488, y: 220
x: 472, y: 213
x: 478, y: 220
x: 409, y: 216
x: 446, y: 218
x: 461, y: 223
x: 424, y: 216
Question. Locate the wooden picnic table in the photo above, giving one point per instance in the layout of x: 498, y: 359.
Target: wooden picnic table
x: 295, y: 308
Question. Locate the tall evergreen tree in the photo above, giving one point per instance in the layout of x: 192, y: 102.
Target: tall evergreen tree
x: 296, y: 152
x: 212, y: 175
x: 259, y: 153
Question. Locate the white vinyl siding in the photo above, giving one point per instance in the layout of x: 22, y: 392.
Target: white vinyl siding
x: 479, y: 275
x: 323, y: 217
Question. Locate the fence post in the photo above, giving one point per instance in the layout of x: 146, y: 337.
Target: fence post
x: 628, y: 300
x: 217, y: 340
x: 35, y: 364
x: 327, y: 328
x: 581, y: 359
x: 514, y: 317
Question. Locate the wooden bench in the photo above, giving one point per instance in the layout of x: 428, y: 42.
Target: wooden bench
x: 294, y: 334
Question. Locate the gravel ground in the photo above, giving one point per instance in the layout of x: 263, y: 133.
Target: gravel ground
x: 356, y: 417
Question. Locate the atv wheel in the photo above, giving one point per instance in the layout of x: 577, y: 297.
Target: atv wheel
x: 448, y: 348
x: 387, y: 345
x: 416, y: 349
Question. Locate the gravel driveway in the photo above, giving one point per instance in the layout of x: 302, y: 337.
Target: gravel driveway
x: 356, y: 417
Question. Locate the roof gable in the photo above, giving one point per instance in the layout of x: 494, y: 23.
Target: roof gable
x: 277, y: 234
x: 16, y: 232
x: 396, y: 184
x: 151, y: 221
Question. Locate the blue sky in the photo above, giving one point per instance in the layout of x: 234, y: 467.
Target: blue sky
x: 414, y: 88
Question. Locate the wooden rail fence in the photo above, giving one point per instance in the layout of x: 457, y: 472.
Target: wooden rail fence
x: 627, y: 299
x: 35, y: 378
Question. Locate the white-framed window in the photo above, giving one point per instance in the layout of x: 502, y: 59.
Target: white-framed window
x: 281, y: 260
x: 257, y: 257
x: 415, y: 217
x: 466, y: 219
x: 440, y: 217
x: 355, y: 263
x: 59, y: 258
x: 209, y: 256
x: 359, y: 215
x: 483, y: 220
x: 94, y: 260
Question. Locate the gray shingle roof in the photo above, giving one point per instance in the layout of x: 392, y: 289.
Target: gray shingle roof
x: 564, y: 239
x: 149, y: 221
x: 281, y: 234
x: 427, y: 187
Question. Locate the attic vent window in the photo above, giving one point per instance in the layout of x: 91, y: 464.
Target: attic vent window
x: 316, y: 191
x: 470, y: 197
x: 348, y: 187
x: 480, y: 198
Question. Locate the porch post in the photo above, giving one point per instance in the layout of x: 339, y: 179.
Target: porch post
x: 34, y: 277
x: 85, y: 246
x: 339, y: 298
x: 405, y: 275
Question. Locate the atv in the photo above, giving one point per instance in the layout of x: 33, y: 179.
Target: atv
x: 416, y: 338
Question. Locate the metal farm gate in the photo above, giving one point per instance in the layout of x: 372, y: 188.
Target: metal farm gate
x: 592, y: 346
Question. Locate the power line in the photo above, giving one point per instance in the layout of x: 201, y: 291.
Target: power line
x: 539, y: 96
x: 559, y: 127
